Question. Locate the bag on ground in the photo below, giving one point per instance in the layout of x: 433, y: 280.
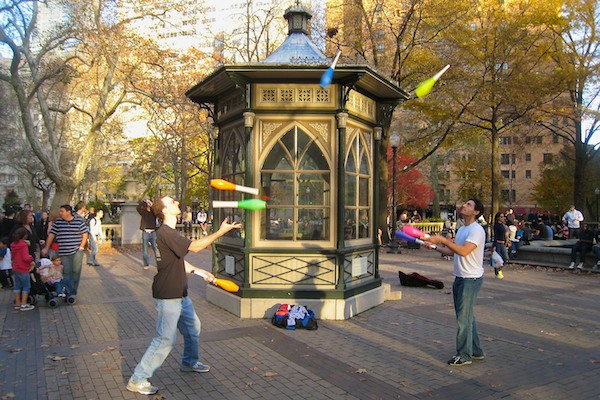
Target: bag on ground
x: 294, y: 316
x: 416, y: 280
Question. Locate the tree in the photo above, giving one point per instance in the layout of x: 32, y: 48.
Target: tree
x: 179, y: 149
x: 12, y: 201
x: 503, y: 72
x: 259, y: 29
x: 72, y: 80
x: 553, y: 191
x: 412, y: 188
x: 576, y: 116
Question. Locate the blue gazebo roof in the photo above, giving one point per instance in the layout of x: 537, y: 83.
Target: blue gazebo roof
x: 297, y: 48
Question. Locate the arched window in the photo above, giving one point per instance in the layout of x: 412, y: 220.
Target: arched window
x: 296, y: 178
x: 233, y: 170
x: 358, y: 195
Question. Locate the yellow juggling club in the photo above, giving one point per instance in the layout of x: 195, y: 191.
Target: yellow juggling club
x: 425, y: 87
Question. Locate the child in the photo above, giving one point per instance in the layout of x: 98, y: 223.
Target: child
x: 22, y: 262
x: 52, y: 273
x: 5, y: 265
x: 497, y: 262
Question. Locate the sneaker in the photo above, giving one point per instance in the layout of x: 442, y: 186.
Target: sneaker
x: 62, y: 295
x: 500, y: 275
x: 16, y: 307
x: 141, y: 387
x: 198, y: 367
x: 478, y: 357
x: 572, y: 265
x: 456, y: 360
x: 27, y: 307
x: 580, y: 266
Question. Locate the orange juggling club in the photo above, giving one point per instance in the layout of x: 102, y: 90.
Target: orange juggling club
x: 227, y: 285
x: 222, y: 184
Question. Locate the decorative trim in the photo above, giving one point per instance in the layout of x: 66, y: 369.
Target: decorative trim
x: 342, y: 119
x: 377, y: 133
x: 360, y: 104
x: 322, y: 128
x: 267, y: 130
x: 300, y: 96
x: 249, y: 119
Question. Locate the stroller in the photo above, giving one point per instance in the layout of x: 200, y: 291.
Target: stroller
x: 41, y: 288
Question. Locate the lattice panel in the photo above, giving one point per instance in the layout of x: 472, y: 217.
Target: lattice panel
x: 301, y: 270
x: 268, y: 95
x: 286, y: 95
x: 291, y: 96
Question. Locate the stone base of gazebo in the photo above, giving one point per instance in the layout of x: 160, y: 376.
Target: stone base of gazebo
x: 331, y: 309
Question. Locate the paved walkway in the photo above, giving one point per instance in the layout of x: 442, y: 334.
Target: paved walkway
x: 540, y: 329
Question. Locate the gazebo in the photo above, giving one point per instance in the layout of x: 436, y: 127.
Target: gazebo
x: 313, y: 153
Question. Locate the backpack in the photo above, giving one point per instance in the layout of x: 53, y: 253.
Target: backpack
x: 286, y: 317
x: 417, y: 280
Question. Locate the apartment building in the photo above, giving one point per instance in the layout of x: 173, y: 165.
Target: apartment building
x: 522, y: 159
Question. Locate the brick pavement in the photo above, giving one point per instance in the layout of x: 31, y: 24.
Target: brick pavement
x: 540, y: 328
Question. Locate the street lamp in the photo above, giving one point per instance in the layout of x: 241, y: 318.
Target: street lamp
x: 394, y: 142
x: 597, y: 191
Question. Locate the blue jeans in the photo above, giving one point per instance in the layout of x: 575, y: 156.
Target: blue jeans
x: 72, y: 271
x: 22, y: 282
x: 148, y: 237
x: 464, y: 292
x: 91, y: 259
x: 59, y: 287
x: 502, y: 250
x: 173, y: 314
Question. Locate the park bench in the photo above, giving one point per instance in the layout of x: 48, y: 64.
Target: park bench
x: 550, y: 253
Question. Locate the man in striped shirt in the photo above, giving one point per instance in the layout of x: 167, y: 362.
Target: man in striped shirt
x: 71, y: 234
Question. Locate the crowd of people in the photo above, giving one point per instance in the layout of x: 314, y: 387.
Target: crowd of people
x: 53, y: 247
x: 509, y: 233
x: 50, y: 244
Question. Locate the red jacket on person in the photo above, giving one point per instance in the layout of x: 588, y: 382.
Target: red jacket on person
x: 21, y: 259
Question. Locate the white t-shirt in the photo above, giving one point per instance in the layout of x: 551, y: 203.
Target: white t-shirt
x: 573, y: 218
x: 6, y: 262
x: 470, y: 266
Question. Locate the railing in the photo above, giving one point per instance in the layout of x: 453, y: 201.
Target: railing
x: 430, y: 228
x: 194, y: 232
x: 113, y: 234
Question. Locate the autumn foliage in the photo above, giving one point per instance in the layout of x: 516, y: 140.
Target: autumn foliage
x: 412, y: 188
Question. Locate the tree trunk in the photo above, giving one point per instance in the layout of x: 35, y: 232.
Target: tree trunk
x: 63, y: 195
x: 381, y: 219
x: 579, y: 173
x: 45, y: 198
x: 495, y: 197
x: 435, y: 186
